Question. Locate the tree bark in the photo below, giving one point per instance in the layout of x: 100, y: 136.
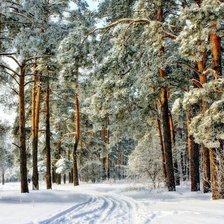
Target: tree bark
x: 3, y: 176
x: 170, y: 180
x: 175, y: 165
x: 75, y: 165
x: 214, y: 177
x: 215, y: 42
x: 22, y: 131
x: 193, y: 150
x: 70, y: 175
x: 162, y: 147
x: 216, y: 51
x: 77, y: 136
x: 35, y: 177
x: 58, y: 156
x: 205, y: 151
x: 48, y: 137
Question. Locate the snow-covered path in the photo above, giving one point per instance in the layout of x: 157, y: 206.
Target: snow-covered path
x: 108, y: 203
x: 97, y: 209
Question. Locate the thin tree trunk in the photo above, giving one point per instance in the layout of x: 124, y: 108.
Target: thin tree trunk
x: 175, y: 165
x: 53, y: 174
x: 35, y: 178
x: 3, y: 176
x: 75, y: 165
x: 77, y: 136
x: 106, y: 146
x: 58, y: 156
x: 48, y: 136
x: 104, y: 176
x: 70, y: 179
x: 22, y: 131
x: 33, y: 115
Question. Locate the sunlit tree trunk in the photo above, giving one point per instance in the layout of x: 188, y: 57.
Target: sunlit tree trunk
x: 22, y: 131
x: 216, y: 185
x: 35, y: 177
x: 216, y: 51
x: 77, y: 135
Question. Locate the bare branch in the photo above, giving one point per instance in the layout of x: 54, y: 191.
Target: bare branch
x: 5, y: 67
x: 16, y: 145
x: 190, y: 67
x: 6, y: 54
x: 13, y: 90
x: 12, y: 76
x: 29, y: 82
x: 15, y: 60
x: 125, y: 21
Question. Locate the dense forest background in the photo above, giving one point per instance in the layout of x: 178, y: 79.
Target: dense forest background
x: 131, y: 89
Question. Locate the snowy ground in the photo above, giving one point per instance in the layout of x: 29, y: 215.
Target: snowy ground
x: 107, y: 204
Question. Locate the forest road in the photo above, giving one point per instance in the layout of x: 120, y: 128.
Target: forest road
x: 99, y: 209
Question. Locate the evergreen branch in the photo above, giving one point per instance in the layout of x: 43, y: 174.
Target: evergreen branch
x: 19, y: 14
x: 32, y: 58
x: 125, y: 21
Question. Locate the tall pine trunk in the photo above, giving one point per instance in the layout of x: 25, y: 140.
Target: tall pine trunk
x: 35, y: 177
x: 193, y: 150
x: 205, y: 151
x: 22, y: 132
x: 77, y: 136
x: 216, y: 185
x: 161, y: 147
x: 48, y: 137
x: 170, y: 179
x: 175, y: 164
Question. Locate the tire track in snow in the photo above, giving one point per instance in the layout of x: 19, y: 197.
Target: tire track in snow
x: 58, y: 217
x: 102, y: 209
